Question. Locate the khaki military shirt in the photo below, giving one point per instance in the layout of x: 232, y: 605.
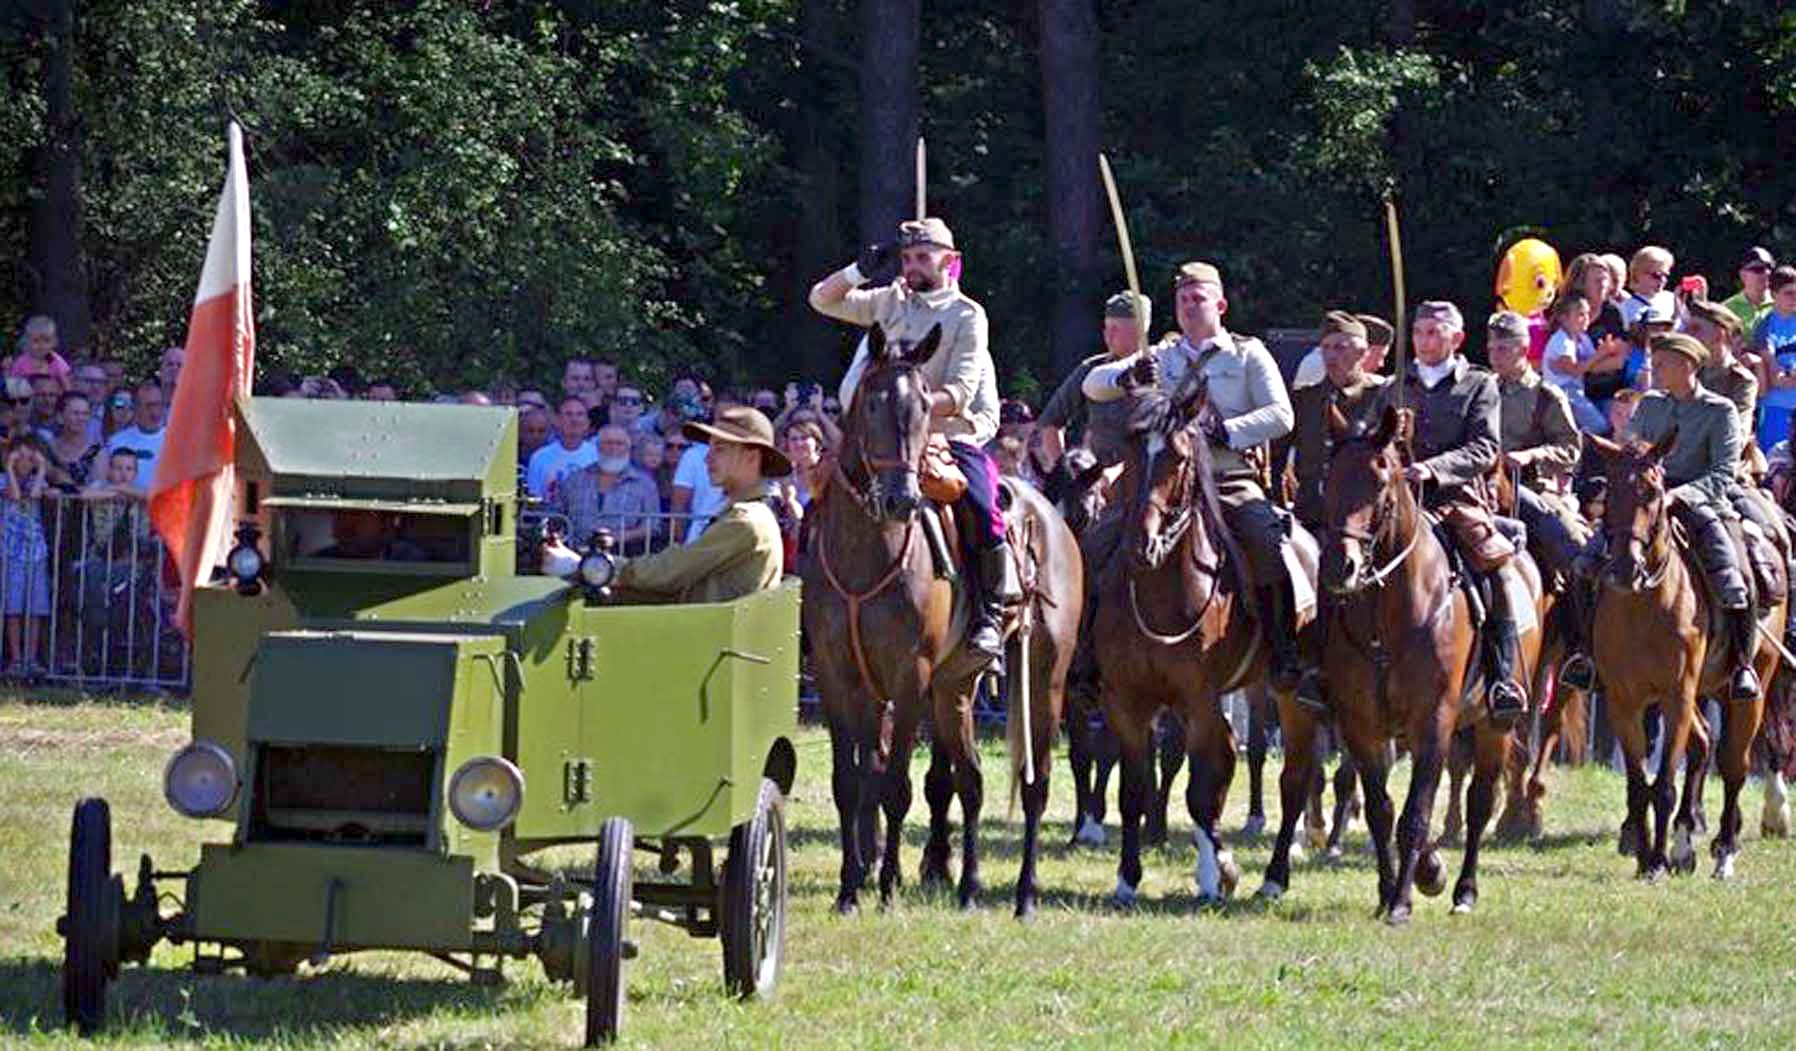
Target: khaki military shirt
x: 1740, y: 387
x: 1700, y: 465
x: 1537, y: 430
x: 961, y: 366
x: 1312, y: 442
x: 1457, y: 427
x: 1244, y: 386
x: 1106, y: 423
x: 738, y: 553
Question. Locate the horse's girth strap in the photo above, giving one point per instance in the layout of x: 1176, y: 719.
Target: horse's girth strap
x: 854, y: 601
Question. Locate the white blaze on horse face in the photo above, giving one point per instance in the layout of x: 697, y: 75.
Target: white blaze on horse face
x: 1209, y: 873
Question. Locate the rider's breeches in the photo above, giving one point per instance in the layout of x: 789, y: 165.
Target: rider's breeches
x: 1256, y: 526
x: 1714, y: 551
x: 984, y: 523
x: 1555, y: 540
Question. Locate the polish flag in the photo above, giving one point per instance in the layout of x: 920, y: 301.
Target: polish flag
x: 190, y: 496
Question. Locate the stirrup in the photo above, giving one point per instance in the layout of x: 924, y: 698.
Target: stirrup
x: 1309, y: 693
x: 1579, y: 672
x: 1506, y: 701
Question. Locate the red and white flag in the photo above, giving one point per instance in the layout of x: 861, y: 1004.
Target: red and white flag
x: 190, y: 496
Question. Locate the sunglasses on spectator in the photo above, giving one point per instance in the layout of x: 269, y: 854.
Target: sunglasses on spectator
x: 1660, y: 275
x: 677, y: 445
x: 26, y: 400
x: 624, y: 399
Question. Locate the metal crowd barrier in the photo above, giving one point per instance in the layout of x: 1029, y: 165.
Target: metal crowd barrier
x: 84, y: 597
x: 635, y: 535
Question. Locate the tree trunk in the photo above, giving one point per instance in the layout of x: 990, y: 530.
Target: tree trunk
x: 1072, y: 112
x: 817, y: 238
x: 890, y: 34
x: 55, y: 227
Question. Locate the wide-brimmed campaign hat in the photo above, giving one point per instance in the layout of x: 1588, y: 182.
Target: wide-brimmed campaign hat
x: 744, y: 426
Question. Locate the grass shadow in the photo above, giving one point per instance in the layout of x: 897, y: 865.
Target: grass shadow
x: 181, y: 1003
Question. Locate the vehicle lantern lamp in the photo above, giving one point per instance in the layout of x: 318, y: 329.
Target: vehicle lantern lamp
x: 597, y: 568
x: 245, y: 562
x: 486, y: 793
x: 200, y: 780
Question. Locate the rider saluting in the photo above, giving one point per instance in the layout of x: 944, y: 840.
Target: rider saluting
x: 1247, y: 407
x: 963, y: 395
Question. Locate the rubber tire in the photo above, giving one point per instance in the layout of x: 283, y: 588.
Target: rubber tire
x: 751, y: 972
x: 90, y: 933
x: 605, y: 931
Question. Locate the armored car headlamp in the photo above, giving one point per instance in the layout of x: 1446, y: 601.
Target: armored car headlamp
x: 200, y: 780
x: 245, y: 562
x: 486, y: 793
x: 597, y: 568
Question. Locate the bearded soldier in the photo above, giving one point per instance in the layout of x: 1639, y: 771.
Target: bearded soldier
x: 963, y: 389
x: 1359, y: 396
x: 1247, y: 407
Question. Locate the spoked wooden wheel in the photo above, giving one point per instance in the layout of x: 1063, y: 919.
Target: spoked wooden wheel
x: 90, y: 923
x: 754, y: 899
x: 606, y: 929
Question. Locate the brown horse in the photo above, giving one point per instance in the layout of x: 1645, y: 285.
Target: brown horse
x: 1648, y: 593
x: 885, y: 639
x: 1399, y: 648
x: 1175, y: 630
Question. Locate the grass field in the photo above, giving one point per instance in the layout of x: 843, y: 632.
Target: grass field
x: 1566, y: 949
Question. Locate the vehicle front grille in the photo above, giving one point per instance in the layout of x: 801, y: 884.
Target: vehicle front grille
x: 343, y: 794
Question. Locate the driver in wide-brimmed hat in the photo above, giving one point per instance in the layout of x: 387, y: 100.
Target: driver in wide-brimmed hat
x: 740, y: 551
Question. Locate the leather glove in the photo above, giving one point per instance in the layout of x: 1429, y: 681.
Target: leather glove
x: 1144, y: 373
x: 1209, y: 421
x: 878, y: 263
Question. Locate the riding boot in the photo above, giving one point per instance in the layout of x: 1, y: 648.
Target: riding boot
x: 1504, y: 697
x: 1279, y: 620
x: 1310, y: 693
x: 1578, y: 671
x: 1743, y: 630
x: 997, y: 588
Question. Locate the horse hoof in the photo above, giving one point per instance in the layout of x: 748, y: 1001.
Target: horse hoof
x: 1210, y: 902
x: 1398, y: 916
x: 1776, y: 822
x: 1431, y: 875
x: 1318, y: 839
x: 1461, y: 908
x: 968, y: 896
x: 1724, y: 867
x: 1124, y: 896
x: 1683, y: 852
x: 1254, y: 827
x: 1269, y: 891
x: 847, y: 905
x: 1296, y: 855
x: 1627, y: 841
x: 1654, y: 873
x: 934, y: 877
x: 1091, y: 832
x: 1230, y: 871
x: 1025, y: 908
x: 1334, y: 855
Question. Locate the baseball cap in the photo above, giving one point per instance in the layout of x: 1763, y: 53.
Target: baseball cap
x: 1757, y: 258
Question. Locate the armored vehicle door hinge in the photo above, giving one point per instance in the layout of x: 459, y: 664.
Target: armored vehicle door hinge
x: 579, y: 658
x: 576, y: 781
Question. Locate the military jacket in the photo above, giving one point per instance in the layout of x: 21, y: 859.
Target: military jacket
x: 1244, y: 386
x: 1740, y: 387
x: 739, y: 552
x: 1106, y: 423
x: 1700, y: 465
x: 1311, y: 442
x: 1537, y: 429
x: 1457, y: 425
x: 961, y: 366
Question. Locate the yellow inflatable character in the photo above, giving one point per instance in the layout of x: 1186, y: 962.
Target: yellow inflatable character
x: 1529, y: 277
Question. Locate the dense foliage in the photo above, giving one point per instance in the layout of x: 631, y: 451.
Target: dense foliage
x: 450, y: 189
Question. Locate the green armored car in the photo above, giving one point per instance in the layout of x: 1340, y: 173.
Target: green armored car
x: 390, y: 723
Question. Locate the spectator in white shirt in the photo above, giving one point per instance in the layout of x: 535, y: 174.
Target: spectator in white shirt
x: 693, y: 493
x: 144, y: 437
x: 569, y: 452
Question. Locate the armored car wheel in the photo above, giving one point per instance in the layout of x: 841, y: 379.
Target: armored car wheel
x: 754, y: 899
x: 90, y: 922
x: 605, y: 929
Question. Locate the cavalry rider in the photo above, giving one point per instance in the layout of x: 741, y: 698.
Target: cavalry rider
x: 1717, y: 328
x: 1457, y: 417
x: 1126, y: 317
x: 1359, y: 395
x: 1699, y: 473
x: 1247, y: 407
x: 963, y: 389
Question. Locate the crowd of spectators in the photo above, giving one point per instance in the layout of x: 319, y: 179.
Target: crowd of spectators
x: 604, y: 452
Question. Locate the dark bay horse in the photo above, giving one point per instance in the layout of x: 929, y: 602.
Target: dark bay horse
x: 885, y: 634
x: 1175, y: 630
x: 1652, y: 648
x: 1399, y: 646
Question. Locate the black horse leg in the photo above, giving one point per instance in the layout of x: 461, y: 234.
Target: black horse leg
x: 1480, y: 803
x: 969, y: 785
x: 1258, y: 715
x: 1137, y: 791
x: 1373, y: 774
x: 847, y: 783
x: 1412, y: 827
x: 1035, y: 801
x: 938, y: 792
x: 867, y: 819
x: 1169, y: 739
x: 896, y: 796
x: 1079, y: 754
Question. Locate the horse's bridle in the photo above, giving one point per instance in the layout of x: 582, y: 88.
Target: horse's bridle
x: 1385, y: 510
x: 870, y: 493
x: 1655, y: 538
x: 1163, y: 542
